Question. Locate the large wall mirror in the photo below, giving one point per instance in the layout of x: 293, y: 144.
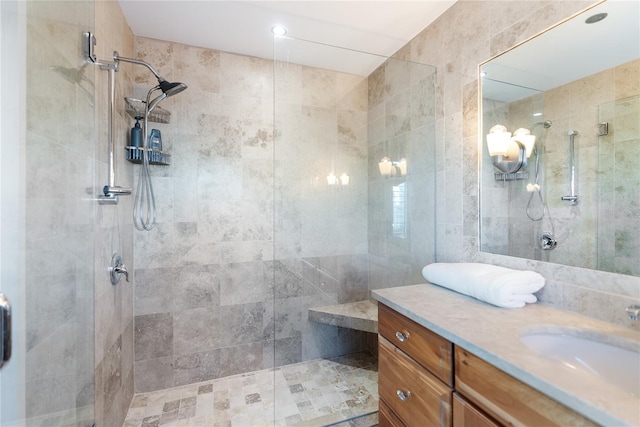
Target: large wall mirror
x: 560, y: 168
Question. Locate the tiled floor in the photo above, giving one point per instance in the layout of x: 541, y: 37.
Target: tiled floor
x: 315, y: 393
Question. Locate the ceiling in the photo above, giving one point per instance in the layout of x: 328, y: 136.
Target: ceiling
x: 244, y: 27
x: 565, y: 53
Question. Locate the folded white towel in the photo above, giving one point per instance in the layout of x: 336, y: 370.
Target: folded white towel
x: 499, y: 286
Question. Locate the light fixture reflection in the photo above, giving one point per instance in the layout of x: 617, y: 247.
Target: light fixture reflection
x: 332, y: 179
x: 342, y: 180
x: 387, y: 167
x: 498, y: 140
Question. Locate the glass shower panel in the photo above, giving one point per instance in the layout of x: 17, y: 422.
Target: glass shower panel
x: 618, y: 186
x: 354, y: 210
x: 47, y: 213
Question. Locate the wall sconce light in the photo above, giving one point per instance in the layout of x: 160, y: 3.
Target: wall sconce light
x: 392, y: 168
x: 509, y: 151
x: 332, y: 179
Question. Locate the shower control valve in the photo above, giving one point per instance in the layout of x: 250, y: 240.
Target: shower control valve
x: 117, y: 268
x: 548, y: 241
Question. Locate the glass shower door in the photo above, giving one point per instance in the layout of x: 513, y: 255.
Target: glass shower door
x: 46, y: 217
x: 353, y: 211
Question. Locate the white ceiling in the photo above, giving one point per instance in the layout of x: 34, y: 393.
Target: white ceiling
x: 378, y: 27
x: 568, y: 52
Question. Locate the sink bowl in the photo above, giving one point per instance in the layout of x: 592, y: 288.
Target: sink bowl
x: 615, y: 361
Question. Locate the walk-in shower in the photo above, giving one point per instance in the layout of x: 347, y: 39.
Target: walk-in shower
x: 264, y: 229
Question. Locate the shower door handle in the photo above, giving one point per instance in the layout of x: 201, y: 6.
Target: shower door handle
x: 5, y: 330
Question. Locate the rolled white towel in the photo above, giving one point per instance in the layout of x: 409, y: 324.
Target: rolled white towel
x: 496, y: 285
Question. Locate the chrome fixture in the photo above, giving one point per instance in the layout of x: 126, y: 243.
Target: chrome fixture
x: 403, y: 395
x: 144, y: 210
x: 402, y: 336
x: 117, y: 268
x: 573, y: 198
x: 535, y: 187
x: 603, y: 128
x: 509, y: 151
x: 548, y: 241
x: 5, y: 330
x: 110, y: 191
x: 633, y: 311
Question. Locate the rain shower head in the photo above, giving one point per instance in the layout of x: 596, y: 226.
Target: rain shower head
x: 171, y: 89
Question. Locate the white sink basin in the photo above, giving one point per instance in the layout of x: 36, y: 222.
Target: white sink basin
x: 590, y: 354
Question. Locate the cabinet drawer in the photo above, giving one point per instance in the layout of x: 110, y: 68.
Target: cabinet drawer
x: 467, y: 415
x: 386, y: 417
x: 507, y: 399
x: 416, y: 396
x: 425, y: 347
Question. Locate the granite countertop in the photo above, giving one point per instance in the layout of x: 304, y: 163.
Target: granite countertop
x: 493, y: 334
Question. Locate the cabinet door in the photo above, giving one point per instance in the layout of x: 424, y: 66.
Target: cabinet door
x: 467, y: 415
x: 416, y: 396
x: 425, y: 347
x: 386, y: 417
x: 508, y: 400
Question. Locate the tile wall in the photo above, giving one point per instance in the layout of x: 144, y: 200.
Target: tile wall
x: 113, y: 227
x: 204, y: 302
x: 603, y: 177
x: 58, y: 217
x: 469, y: 33
x: 401, y: 208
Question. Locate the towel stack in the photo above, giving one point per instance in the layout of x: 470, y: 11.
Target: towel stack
x: 499, y: 286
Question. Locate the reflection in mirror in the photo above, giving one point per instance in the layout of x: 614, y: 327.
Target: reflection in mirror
x: 561, y: 142
x: 399, y: 207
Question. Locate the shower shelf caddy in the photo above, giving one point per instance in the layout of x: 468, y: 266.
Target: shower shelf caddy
x: 134, y: 155
x: 135, y: 108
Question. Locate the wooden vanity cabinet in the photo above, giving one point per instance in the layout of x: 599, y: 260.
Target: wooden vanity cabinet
x: 416, y: 371
x: 429, y: 349
x: 465, y: 414
x: 506, y: 399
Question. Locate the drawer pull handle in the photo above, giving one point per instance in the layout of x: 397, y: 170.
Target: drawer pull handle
x: 402, y: 336
x: 403, y: 395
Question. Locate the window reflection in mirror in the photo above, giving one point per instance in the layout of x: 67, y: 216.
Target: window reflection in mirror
x: 576, y: 85
x: 399, y: 210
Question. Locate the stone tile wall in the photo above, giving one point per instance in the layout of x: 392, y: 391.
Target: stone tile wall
x: 401, y: 125
x: 113, y: 227
x: 212, y: 297
x: 584, y: 240
x: 469, y: 33
x: 57, y: 222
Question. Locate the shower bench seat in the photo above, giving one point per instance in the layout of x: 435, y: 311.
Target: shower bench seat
x: 359, y: 315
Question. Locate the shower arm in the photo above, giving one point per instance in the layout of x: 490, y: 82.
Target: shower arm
x: 117, y: 58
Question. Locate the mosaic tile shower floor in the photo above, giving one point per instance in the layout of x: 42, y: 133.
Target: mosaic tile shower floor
x: 308, y: 394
